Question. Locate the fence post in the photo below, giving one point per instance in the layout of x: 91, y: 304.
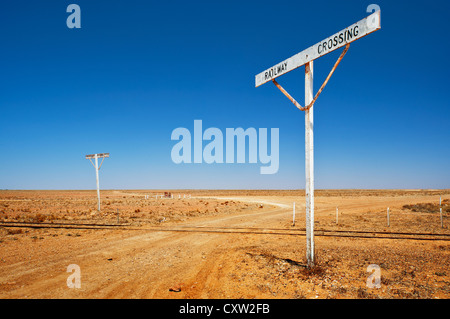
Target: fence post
x: 388, y: 219
x: 293, y: 215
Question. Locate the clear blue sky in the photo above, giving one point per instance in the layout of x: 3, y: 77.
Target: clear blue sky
x: 136, y: 70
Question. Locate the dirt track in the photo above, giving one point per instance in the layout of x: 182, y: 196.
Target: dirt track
x: 197, y: 258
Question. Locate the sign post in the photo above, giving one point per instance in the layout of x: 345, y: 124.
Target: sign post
x: 343, y: 38
x: 309, y: 164
x: 97, y: 168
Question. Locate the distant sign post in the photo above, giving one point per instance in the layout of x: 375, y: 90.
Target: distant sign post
x: 343, y: 38
x: 97, y: 168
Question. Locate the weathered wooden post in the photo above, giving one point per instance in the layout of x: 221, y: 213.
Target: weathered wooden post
x: 293, y: 215
x: 388, y: 219
x: 337, y: 215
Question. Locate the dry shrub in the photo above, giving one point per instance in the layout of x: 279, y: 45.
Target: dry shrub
x: 14, y: 231
x: 428, y: 207
x: 316, y: 271
x: 38, y: 218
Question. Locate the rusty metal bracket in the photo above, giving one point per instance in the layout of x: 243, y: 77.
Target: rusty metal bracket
x: 301, y: 108
x: 329, y: 76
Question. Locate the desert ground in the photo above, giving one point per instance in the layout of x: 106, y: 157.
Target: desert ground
x: 223, y: 244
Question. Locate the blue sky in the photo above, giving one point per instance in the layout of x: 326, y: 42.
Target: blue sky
x: 137, y: 70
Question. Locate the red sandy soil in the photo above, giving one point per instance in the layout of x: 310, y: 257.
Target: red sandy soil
x: 223, y: 244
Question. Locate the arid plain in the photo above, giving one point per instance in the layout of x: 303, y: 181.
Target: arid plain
x: 223, y: 244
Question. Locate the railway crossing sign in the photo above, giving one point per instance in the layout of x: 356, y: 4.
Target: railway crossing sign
x: 350, y: 34
x: 340, y: 39
x: 97, y: 168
